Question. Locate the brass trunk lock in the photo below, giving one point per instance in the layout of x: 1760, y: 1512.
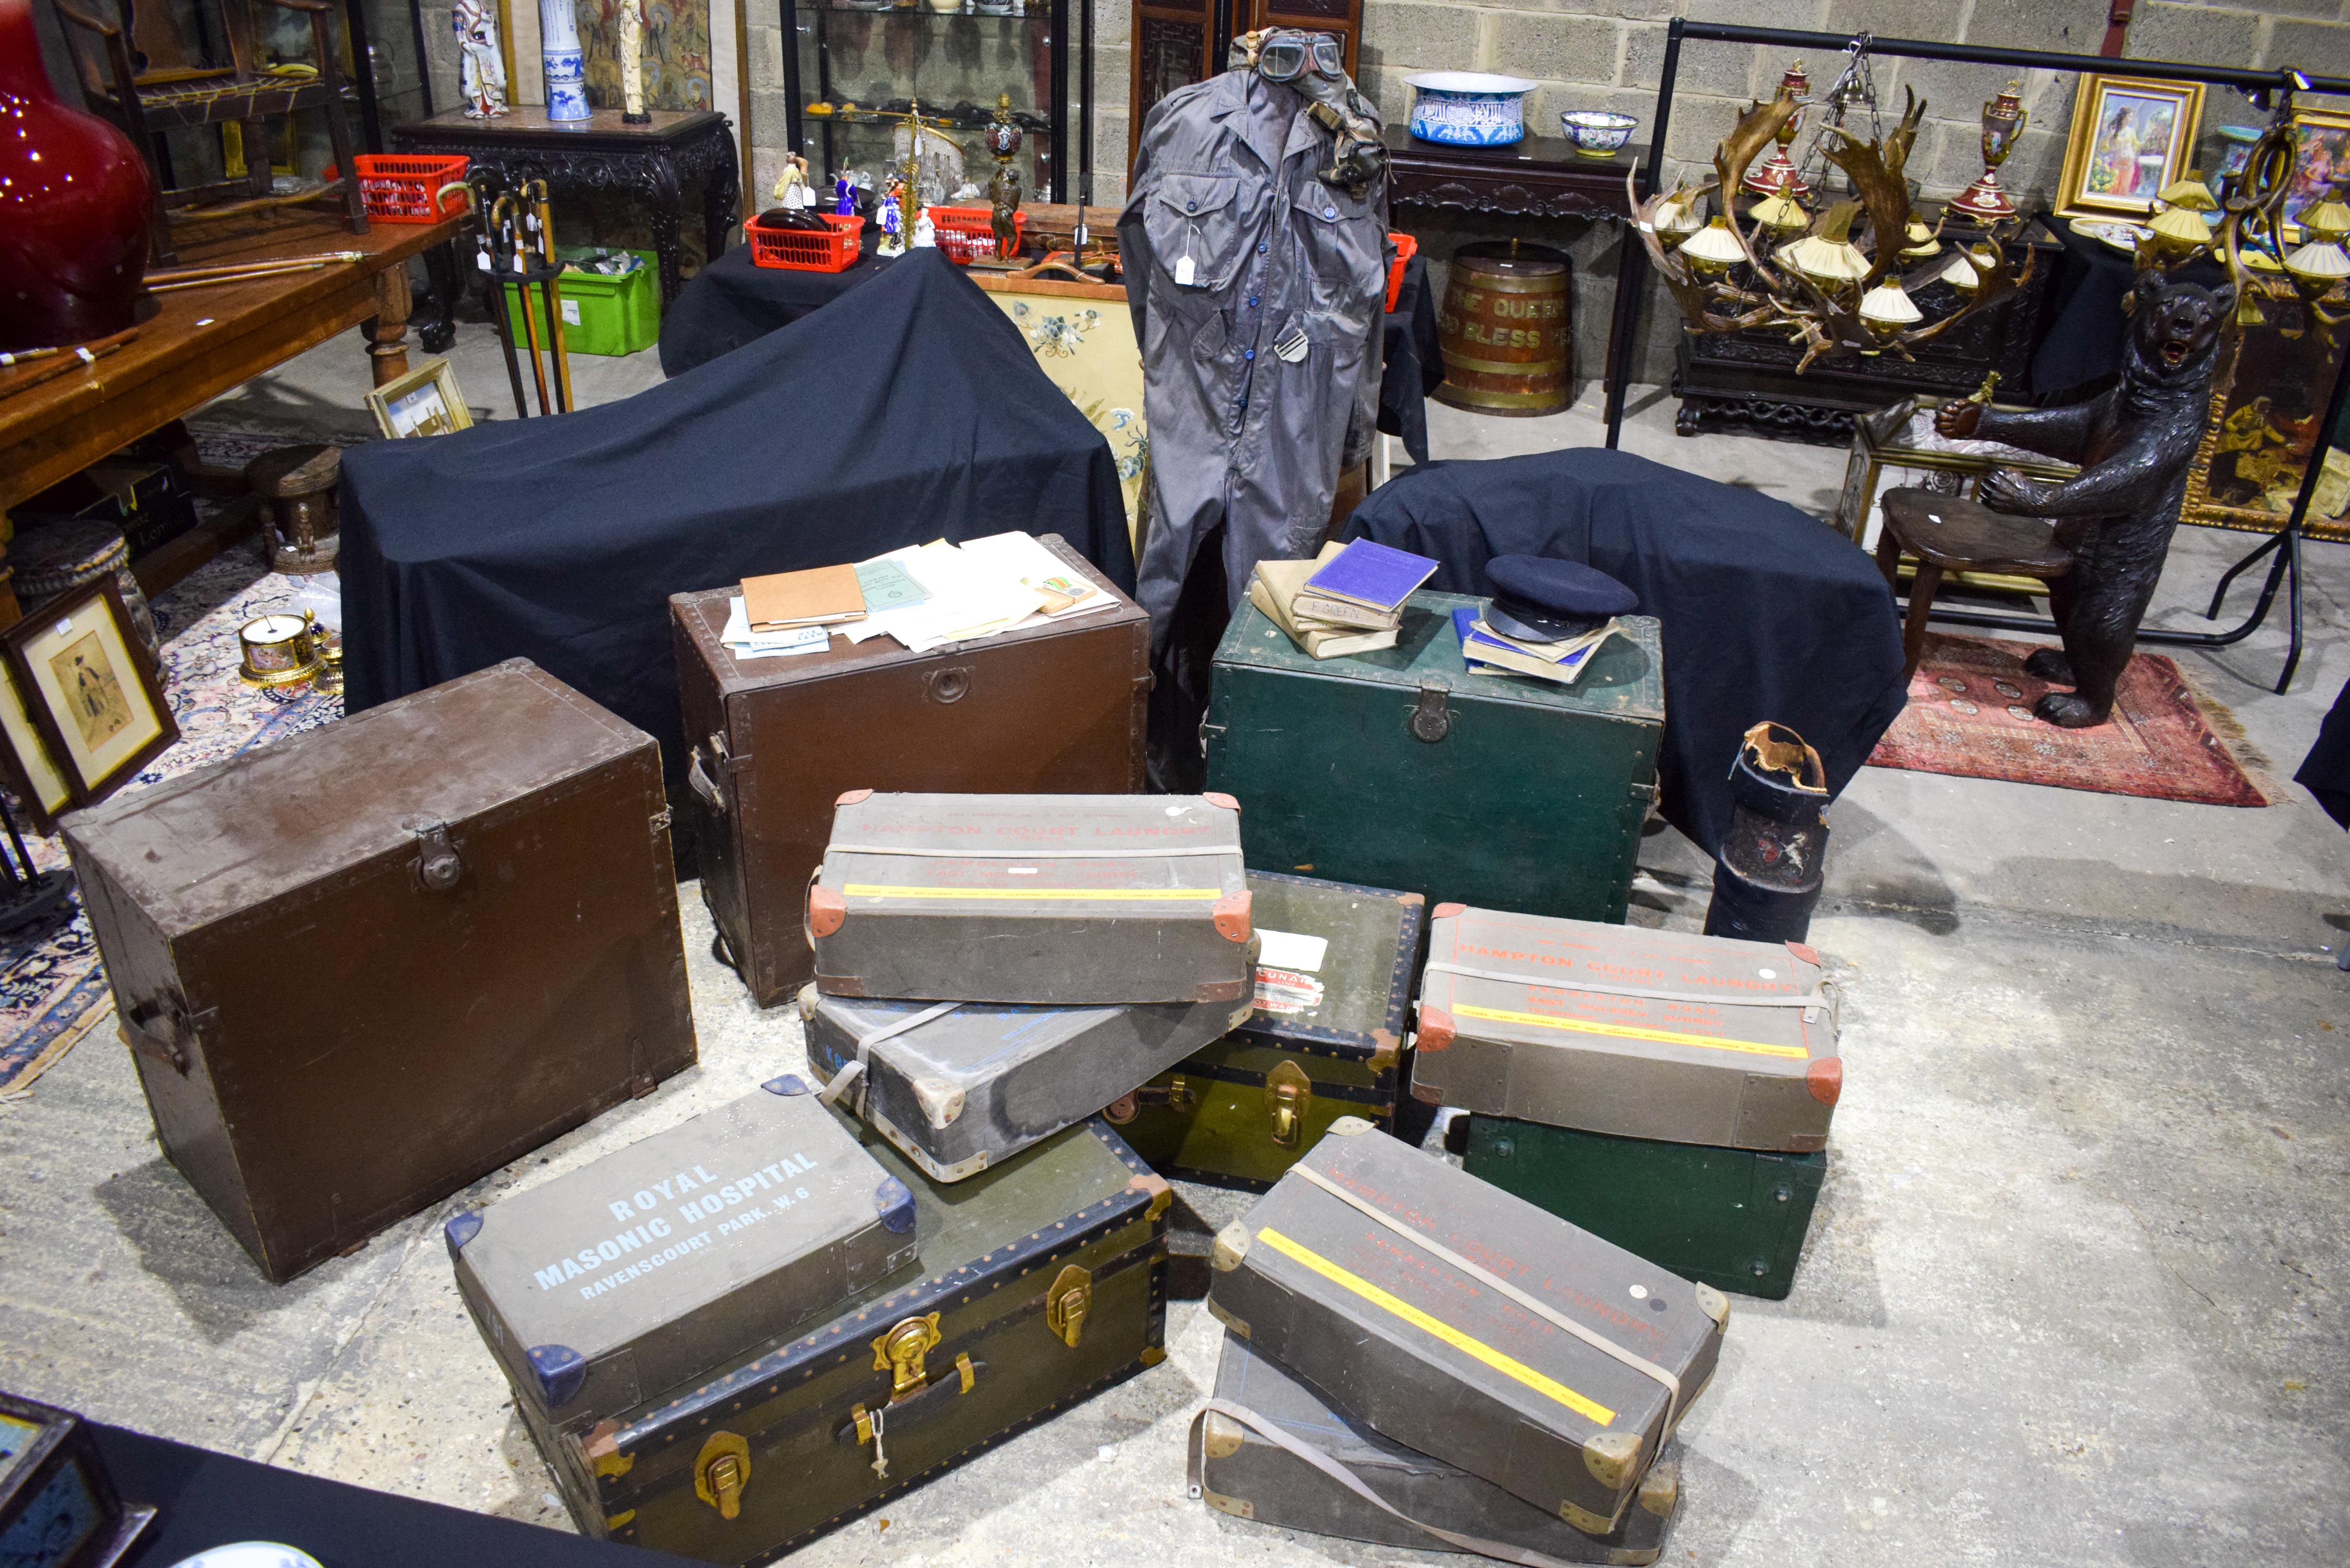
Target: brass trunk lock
x: 1065, y: 1303
x: 899, y: 1353
x: 1287, y: 1092
x: 1174, y: 1094
x: 721, y: 1472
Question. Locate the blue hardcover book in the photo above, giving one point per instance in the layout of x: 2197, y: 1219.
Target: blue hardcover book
x: 1479, y: 651
x: 1373, y: 575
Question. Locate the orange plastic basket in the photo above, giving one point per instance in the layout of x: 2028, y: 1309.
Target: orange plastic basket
x: 1405, y: 248
x: 802, y: 250
x: 401, y: 188
x: 965, y: 233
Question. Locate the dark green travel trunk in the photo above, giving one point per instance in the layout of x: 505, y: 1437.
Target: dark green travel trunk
x: 1320, y: 1046
x: 1400, y: 769
x: 1730, y: 1218
x: 1066, y: 1239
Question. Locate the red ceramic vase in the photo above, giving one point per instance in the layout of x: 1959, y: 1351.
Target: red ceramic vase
x: 74, y: 202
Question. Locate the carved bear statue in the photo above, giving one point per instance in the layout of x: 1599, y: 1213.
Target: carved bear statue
x: 2134, y: 445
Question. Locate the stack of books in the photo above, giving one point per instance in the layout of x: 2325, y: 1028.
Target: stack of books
x: 1347, y: 599
x: 1487, y: 651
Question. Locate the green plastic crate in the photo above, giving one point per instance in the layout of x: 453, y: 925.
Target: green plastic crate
x: 608, y: 316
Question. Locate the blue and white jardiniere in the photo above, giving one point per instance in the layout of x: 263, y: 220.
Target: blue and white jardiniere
x: 1468, y: 108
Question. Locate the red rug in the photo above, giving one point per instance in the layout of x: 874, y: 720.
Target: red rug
x: 1970, y: 714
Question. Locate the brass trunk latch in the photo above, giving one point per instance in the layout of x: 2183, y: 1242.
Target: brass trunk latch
x: 438, y: 868
x: 1065, y: 1303
x: 1430, y: 721
x: 899, y: 1353
x: 1288, y: 1093
x: 721, y: 1472
x: 1174, y: 1094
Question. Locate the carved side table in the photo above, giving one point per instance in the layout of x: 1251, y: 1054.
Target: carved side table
x: 1540, y: 176
x: 656, y: 161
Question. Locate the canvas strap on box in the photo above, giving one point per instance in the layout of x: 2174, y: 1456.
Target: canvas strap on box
x: 1810, y: 1002
x: 1281, y: 1438
x: 852, y: 1073
x: 1542, y: 1310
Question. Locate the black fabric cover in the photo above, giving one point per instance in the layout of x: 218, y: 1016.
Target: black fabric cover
x: 2326, y: 772
x: 916, y: 414
x: 1768, y: 613
x: 206, y: 1499
x: 1411, y: 367
x: 735, y: 301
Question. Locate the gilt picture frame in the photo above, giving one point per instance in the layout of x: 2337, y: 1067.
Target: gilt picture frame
x: 2131, y: 137
x: 426, y: 401
x: 95, y: 705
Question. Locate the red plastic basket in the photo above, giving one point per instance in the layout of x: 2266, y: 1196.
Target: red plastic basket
x: 1405, y: 248
x: 803, y: 250
x: 965, y: 233
x: 401, y: 189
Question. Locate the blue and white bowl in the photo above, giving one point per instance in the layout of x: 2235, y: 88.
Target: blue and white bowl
x: 1468, y: 108
x: 1596, y: 132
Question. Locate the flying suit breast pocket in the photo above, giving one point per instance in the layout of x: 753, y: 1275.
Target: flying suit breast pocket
x: 1347, y: 243
x: 1194, y: 229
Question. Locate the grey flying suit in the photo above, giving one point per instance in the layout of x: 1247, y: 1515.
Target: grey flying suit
x: 1257, y: 293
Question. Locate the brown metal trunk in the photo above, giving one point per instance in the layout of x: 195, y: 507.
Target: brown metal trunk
x: 1053, y: 709
x: 365, y: 967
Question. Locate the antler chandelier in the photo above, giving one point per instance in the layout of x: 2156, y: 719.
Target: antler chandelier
x: 1835, y: 280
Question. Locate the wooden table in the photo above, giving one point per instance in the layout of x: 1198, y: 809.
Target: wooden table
x: 201, y: 342
x: 601, y: 152
x: 1537, y: 177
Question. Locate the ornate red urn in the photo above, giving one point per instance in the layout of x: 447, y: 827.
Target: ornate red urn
x: 74, y: 202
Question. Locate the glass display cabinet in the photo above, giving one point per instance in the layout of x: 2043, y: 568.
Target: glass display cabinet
x: 855, y: 66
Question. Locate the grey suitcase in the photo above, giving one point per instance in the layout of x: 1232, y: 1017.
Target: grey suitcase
x: 1467, y: 1323
x: 1060, y: 899
x: 633, y: 1276
x: 1239, y: 1468
x: 957, y: 1087
x: 1628, y: 1031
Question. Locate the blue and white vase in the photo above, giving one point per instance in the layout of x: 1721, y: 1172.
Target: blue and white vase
x: 1468, y: 108
x: 567, y: 75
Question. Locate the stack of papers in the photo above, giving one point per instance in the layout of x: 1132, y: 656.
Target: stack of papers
x: 744, y: 643
x: 1487, y: 651
x: 927, y: 595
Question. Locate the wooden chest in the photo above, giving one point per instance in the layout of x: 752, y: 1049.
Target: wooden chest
x: 365, y: 966
x: 1042, y: 1280
x: 1053, y: 710
x: 1324, y: 1040
x: 1400, y: 769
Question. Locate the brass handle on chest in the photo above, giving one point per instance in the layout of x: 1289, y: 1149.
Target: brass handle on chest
x: 1287, y: 1092
x: 721, y: 1471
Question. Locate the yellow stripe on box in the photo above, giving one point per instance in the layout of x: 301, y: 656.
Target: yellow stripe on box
x: 1140, y: 895
x: 1627, y: 1032
x: 1589, y: 1409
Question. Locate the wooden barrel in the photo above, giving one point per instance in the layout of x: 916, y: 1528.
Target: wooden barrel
x: 1507, y: 330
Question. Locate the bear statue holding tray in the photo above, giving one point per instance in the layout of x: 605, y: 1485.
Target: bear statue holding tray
x: 2133, y: 444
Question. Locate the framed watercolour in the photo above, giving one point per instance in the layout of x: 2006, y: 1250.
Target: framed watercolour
x: 96, y: 707
x: 2131, y: 137
x: 26, y: 767
x: 1083, y: 337
x: 2321, y: 162
x: 424, y: 402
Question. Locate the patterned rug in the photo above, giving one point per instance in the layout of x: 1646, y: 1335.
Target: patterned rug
x: 52, y: 991
x: 1970, y: 714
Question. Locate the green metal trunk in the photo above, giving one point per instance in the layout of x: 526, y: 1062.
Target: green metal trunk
x: 1730, y: 1218
x: 1320, y: 1044
x: 1400, y: 769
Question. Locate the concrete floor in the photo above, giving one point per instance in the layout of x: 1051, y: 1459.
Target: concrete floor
x: 2073, y: 1294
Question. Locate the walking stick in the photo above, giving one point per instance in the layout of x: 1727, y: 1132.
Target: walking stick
x: 522, y: 287
x: 554, y: 310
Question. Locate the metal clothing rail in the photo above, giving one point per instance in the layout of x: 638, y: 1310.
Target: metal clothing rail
x: 1632, y: 277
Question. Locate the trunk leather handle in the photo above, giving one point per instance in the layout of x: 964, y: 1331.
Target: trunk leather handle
x: 702, y: 784
x: 169, y: 1045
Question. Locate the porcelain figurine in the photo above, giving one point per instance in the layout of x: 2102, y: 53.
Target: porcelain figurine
x: 562, y: 59
x: 792, y: 189
x: 926, y: 234
x: 892, y: 219
x: 844, y: 197
x: 632, y: 65
x: 480, y: 70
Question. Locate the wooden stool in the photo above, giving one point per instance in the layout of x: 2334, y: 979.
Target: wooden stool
x: 297, y: 487
x: 1951, y: 534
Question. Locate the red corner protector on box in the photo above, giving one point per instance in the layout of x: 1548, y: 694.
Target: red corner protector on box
x: 1804, y: 953
x: 1824, y: 1078
x: 853, y: 796
x: 1446, y: 911
x: 1231, y: 912
x: 826, y: 910
x: 1227, y: 802
x: 1435, y: 1028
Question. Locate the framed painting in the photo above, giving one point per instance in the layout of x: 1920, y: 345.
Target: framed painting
x: 31, y: 774
x: 426, y: 401
x: 96, y: 707
x: 2131, y: 137
x: 2263, y: 426
x: 2321, y: 162
x: 1083, y: 337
